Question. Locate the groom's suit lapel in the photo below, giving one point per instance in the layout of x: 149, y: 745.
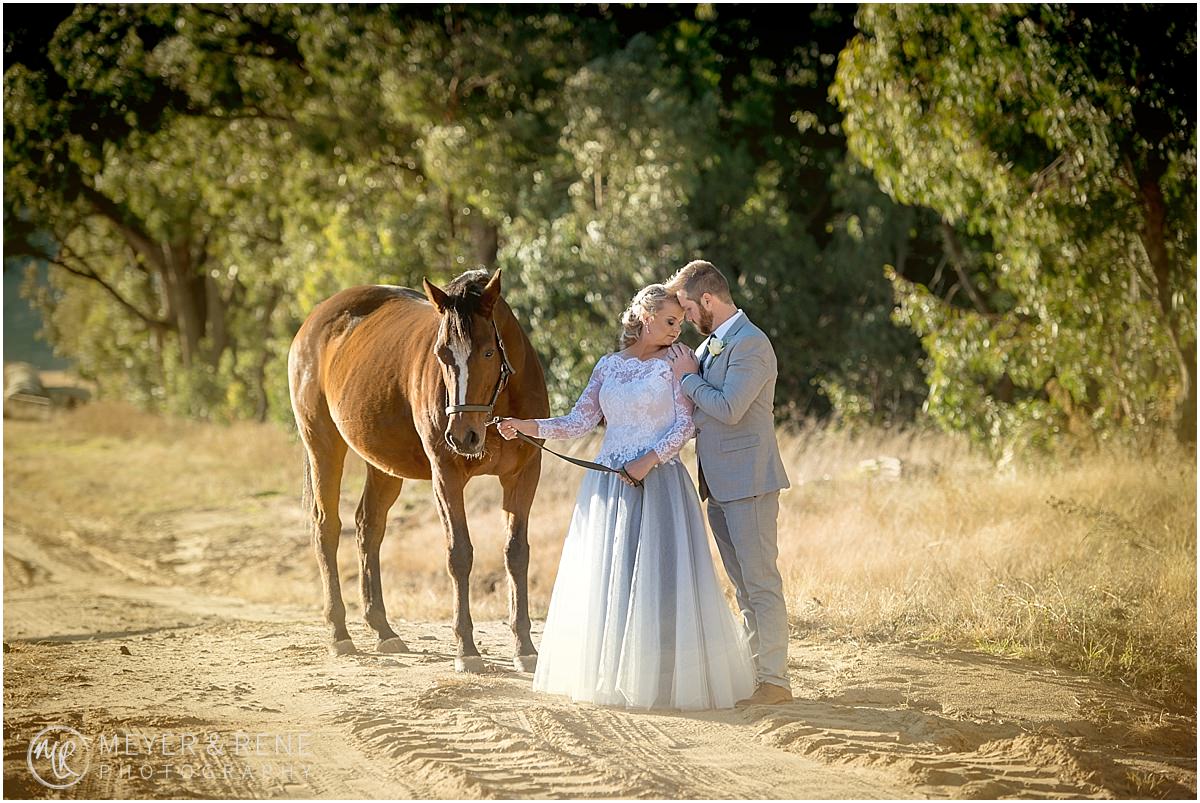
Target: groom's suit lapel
x: 719, y: 361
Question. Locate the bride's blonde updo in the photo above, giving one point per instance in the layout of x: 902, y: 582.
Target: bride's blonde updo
x: 648, y: 301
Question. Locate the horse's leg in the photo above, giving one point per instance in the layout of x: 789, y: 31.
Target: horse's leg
x: 327, y: 457
x: 379, y: 494
x: 519, y: 489
x: 448, y: 489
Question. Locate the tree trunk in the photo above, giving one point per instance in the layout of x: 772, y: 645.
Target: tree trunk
x: 262, y: 403
x: 486, y: 239
x: 188, y: 293
x: 958, y: 260
x: 1185, y: 428
x: 451, y: 230
x: 1153, y: 236
x: 217, y: 325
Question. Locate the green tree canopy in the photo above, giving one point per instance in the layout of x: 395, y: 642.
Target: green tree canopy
x: 1057, y: 144
x: 201, y: 176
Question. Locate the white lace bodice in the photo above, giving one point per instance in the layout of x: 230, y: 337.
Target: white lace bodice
x: 643, y: 405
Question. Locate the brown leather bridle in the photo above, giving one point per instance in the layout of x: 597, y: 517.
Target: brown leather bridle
x: 506, y: 371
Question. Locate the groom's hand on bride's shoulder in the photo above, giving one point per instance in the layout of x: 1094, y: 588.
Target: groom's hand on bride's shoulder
x: 683, y: 360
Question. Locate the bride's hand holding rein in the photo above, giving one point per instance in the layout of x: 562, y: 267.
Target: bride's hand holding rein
x: 509, y: 427
x: 638, y: 469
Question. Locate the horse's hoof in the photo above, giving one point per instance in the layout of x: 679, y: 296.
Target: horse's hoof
x: 525, y: 663
x: 392, y: 645
x: 470, y: 663
x: 343, y: 647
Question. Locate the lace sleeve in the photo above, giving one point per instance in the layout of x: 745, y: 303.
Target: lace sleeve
x: 584, y: 416
x: 681, y: 432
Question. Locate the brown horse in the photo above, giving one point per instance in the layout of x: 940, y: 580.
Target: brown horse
x: 409, y: 381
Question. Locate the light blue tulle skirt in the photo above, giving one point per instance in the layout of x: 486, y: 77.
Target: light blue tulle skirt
x: 636, y: 618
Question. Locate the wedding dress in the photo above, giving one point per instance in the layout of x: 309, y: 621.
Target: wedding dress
x: 636, y: 617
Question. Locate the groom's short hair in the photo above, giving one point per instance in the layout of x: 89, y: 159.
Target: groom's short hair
x: 699, y: 277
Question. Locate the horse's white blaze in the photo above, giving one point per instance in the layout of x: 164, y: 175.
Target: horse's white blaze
x: 461, y: 352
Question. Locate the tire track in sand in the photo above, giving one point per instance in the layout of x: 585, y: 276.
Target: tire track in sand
x: 952, y: 757
x: 442, y: 744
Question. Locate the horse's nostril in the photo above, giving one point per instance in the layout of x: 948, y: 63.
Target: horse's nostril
x: 468, y: 443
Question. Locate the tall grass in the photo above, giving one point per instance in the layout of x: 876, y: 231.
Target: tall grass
x: 1087, y: 563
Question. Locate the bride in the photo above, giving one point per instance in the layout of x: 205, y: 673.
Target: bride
x: 636, y: 618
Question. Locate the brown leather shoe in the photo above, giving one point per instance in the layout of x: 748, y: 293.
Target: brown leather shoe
x: 767, y: 694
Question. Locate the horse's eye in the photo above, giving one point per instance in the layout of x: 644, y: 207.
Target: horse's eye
x: 488, y: 353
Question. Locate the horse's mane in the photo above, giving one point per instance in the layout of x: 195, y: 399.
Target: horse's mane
x: 463, y: 296
x: 466, y: 290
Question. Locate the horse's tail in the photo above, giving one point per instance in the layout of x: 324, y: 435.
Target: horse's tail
x: 306, y: 493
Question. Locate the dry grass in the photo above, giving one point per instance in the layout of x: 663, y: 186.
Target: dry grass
x: 1089, y: 565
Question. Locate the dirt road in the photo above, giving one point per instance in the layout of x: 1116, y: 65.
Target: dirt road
x: 176, y: 691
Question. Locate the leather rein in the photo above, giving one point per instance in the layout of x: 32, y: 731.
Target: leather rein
x: 575, y: 460
x: 506, y: 372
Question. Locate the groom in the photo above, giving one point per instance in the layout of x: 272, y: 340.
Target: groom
x: 731, y: 380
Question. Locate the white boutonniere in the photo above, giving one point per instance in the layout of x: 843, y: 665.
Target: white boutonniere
x: 716, y: 346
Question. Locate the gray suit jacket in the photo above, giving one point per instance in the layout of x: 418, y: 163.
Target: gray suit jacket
x: 735, y: 418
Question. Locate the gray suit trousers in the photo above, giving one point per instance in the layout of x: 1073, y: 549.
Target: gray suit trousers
x: 746, y: 534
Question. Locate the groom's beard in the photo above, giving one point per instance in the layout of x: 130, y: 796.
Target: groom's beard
x: 705, y: 322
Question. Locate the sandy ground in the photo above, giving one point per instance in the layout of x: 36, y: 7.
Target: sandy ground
x: 181, y: 691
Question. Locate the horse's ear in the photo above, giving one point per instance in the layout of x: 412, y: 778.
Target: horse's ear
x: 436, y: 295
x: 490, y: 295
